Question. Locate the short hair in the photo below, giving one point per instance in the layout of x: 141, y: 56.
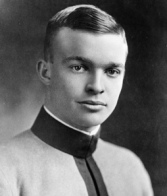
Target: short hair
x: 87, y: 18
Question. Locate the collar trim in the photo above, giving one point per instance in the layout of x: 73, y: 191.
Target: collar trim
x: 93, y: 132
x: 64, y: 138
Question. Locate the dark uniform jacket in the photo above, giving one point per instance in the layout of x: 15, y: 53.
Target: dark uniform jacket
x: 54, y: 160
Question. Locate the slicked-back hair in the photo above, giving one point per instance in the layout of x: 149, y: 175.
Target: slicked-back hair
x: 80, y: 17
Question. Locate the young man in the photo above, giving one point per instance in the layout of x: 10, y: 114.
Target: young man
x: 85, y: 52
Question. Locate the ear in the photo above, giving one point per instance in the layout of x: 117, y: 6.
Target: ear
x: 44, y: 71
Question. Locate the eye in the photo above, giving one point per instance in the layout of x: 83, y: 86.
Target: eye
x: 78, y: 68
x: 113, y: 72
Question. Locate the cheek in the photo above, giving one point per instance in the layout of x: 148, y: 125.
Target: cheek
x: 114, y: 91
x: 75, y: 84
x: 70, y: 88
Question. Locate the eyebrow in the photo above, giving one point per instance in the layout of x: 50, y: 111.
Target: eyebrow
x: 77, y: 58
x: 88, y: 61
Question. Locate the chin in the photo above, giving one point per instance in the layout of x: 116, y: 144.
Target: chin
x: 92, y: 121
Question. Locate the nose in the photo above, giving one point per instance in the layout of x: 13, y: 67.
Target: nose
x: 95, y: 84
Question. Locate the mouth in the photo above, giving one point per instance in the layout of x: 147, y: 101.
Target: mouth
x: 90, y: 102
x: 93, y: 105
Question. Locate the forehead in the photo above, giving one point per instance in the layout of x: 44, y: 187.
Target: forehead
x: 97, y: 47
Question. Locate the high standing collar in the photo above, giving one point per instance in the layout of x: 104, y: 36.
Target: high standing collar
x: 62, y: 137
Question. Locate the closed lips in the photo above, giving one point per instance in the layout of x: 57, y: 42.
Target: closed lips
x: 93, y: 103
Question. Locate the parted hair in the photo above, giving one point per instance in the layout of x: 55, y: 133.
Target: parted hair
x: 87, y: 18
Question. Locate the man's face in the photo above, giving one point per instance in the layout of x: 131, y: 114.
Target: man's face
x: 86, y: 76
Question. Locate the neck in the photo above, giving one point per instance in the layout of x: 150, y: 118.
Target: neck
x: 90, y: 131
x: 62, y: 137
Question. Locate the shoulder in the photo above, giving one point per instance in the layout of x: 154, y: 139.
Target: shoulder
x: 120, y: 157
x: 25, y: 141
x: 122, y: 164
x: 13, y: 159
x: 26, y: 146
x: 118, y: 154
x: 16, y: 149
x: 26, y: 149
x: 22, y: 151
x: 26, y: 152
